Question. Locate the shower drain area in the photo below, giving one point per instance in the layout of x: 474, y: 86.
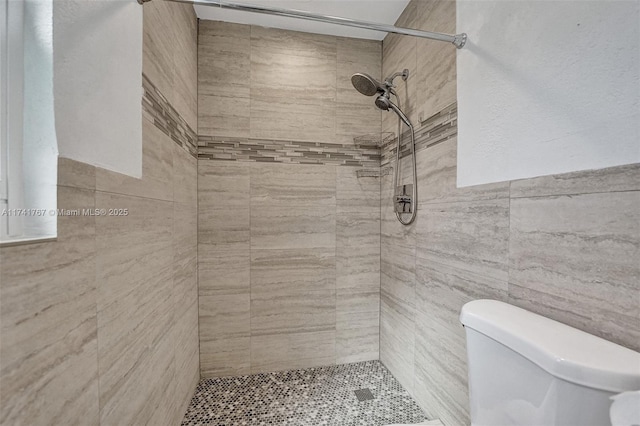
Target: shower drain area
x: 363, y: 394
x: 358, y: 394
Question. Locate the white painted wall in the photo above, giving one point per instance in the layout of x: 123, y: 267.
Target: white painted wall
x: 547, y: 87
x: 98, y: 82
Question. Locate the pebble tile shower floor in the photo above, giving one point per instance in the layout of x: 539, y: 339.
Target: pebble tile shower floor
x: 322, y: 396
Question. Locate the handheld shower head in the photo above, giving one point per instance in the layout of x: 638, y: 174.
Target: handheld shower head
x: 369, y: 86
x: 383, y: 102
x: 366, y: 84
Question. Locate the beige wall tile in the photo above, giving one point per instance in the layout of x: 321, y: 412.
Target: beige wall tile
x: 113, y: 301
x: 277, y: 273
x: 185, y: 281
x: 621, y: 178
x: 48, y: 326
x: 169, y: 55
x: 399, y: 52
x: 358, y: 265
x: 436, y: 61
x: 187, y: 359
x: 277, y: 84
x: 158, y: 47
x: 472, y: 236
x: 356, y: 114
x: 228, y: 357
x: 437, y: 174
x: 76, y: 174
x: 185, y: 57
x: 185, y: 253
x: 282, y: 118
x: 223, y: 115
x: 293, y: 42
x: 157, y: 403
x: 274, y: 352
x: 285, y: 185
x: 224, y: 59
x: 223, y: 205
x: 224, y: 77
x: 357, y: 55
x: 293, y: 85
x: 224, y: 227
x: 224, y: 317
x: 293, y: 227
x: 440, y: 351
x: 356, y: 194
x: 221, y: 184
x: 293, y: 313
x: 410, y: 15
x: 350, y: 304
x: 281, y: 73
x: 548, y: 276
x: 398, y: 265
x: 135, y: 302
x: 397, y: 339
x: 185, y: 177
x: 357, y: 335
x: 223, y: 270
x: 440, y: 374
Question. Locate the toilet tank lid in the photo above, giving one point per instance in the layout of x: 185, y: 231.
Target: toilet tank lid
x: 563, y: 351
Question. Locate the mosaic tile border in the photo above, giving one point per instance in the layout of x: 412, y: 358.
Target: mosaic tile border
x: 368, y: 150
x: 159, y: 111
x: 440, y: 127
x: 278, y: 151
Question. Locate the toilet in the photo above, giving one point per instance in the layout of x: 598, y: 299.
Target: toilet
x: 525, y: 369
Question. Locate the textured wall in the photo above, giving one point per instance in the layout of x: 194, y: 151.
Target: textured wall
x: 532, y: 105
x: 553, y: 245
x: 96, y: 76
x: 100, y: 326
x: 288, y: 254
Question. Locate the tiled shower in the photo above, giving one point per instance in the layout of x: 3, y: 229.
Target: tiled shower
x: 262, y: 238
x: 288, y: 236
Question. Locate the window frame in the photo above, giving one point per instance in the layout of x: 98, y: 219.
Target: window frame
x: 11, y: 118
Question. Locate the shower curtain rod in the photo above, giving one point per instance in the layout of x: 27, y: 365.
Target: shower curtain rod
x: 458, y: 40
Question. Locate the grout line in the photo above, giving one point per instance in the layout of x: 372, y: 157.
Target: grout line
x: 134, y: 196
x: 95, y: 275
x: 198, y: 266
x: 570, y: 194
x: 251, y: 173
x: 509, y: 245
x: 335, y: 266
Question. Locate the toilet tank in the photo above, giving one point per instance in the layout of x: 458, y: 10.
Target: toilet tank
x: 525, y: 369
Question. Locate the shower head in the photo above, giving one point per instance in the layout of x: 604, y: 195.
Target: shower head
x: 366, y: 84
x: 383, y: 102
x: 369, y: 86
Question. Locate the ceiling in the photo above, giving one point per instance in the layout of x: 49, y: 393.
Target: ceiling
x: 378, y: 11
